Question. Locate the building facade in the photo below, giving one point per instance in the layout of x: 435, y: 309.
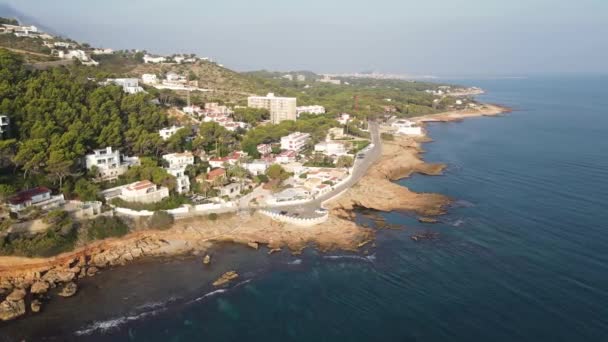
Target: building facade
x: 295, y: 141
x: 316, y: 109
x: 40, y: 197
x: 280, y: 108
x: 182, y: 181
x: 144, y: 192
x: 179, y: 159
x: 109, y: 163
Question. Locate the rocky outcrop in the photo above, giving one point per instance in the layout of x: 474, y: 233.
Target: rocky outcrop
x: 39, y: 287
x: 253, y: 244
x: 225, y: 278
x: 11, y: 309
x: 59, y: 275
x: 207, y: 259
x: 68, y: 290
x: 91, y: 271
x: 16, y: 295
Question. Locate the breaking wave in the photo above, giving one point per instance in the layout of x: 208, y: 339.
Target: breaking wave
x: 369, y: 258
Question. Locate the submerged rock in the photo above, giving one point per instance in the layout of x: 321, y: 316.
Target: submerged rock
x: 253, y: 244
x: 36, y: 305
x: 274, y: 250
x: 425, y: 236
x: 225, y: 278
x: 11, y: 309
x: 91, y: 271
x: 207, y: 259
x: 68, y: 290
x: 427, y: 220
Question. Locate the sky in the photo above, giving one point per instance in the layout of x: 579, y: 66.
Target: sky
x: 417, y: 37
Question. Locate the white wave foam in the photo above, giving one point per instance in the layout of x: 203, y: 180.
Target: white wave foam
x: 349, y: 257
x: 295, y: 262
x: 103, y: 326
x: 457, y: 223
x: 207, y: 295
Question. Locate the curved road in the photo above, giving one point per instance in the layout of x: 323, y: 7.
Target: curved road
x: 361, y: 166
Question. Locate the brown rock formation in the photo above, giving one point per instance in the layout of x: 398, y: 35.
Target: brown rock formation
x: 36, y: 305
x: 39, y: 287
x: 11, y: 309
x: 68, y: 290
x: 225, y: 278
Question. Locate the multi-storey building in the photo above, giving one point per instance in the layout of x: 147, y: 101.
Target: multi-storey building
x: 179, y: 159
x: 316, y: 109
x: 280, y: 108
x: 295, y: 141
x: 109, y: 163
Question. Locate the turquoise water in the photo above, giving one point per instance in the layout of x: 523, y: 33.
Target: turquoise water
x: 522, y: 255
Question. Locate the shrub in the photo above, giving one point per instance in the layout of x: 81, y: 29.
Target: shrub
x: 166, y: 204
x: 387, y: 136
x: 161, y: 220
x: 212, y: 216
x: 103, y: 227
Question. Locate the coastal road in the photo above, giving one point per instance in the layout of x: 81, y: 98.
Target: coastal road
x: 360, y: 168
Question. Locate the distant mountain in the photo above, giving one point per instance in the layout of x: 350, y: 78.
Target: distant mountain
x: 8, y: 11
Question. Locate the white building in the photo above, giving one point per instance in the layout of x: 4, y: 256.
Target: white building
x: 192, y: 109
x: 331, y: 148
x: 231, y: 190
x: 316, y: 109
x: 301, y: 78
x: 167, y: 132
x: 280, y: 108
x: 344, y: 118
x: 407, y: 127
x: 256, y: 167
x: 40, y: 197
x: 179, y: 159
x: 149, y: 79
x: 182, y: 181
x: 153, y: 60
x: 129, y: 85
x: 292, y: 194
x: 286, y: 157
x: 143, y: 192
x: 328, y: 79
x: 109, y: 163
x: 4, y: 124
x: 64, y: 45
x: 264, y: 149
x: 295, y: 141
x: 102, y: 51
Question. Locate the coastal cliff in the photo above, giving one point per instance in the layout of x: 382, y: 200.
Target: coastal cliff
x: 33, y: 281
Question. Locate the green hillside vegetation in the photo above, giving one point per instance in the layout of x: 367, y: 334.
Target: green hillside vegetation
x: 57, y: 117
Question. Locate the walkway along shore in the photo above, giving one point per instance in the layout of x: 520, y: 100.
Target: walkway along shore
x: 27, y: 281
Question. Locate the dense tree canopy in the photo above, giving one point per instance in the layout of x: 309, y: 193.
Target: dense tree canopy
x: 58, y: 116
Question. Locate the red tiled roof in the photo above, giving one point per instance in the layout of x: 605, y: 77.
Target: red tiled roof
x: 26, y: 195
x: 140, y: 185
x: 213, y: 174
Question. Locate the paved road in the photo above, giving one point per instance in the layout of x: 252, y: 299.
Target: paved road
x: 360, y: 169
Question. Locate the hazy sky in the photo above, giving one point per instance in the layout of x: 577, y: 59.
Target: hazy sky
x: 439, y: 37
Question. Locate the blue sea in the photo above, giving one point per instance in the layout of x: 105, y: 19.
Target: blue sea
x: 522, y: 254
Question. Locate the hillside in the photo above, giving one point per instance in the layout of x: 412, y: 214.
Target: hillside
x: 359, y: 96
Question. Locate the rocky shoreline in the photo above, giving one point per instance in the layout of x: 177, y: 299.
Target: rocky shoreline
x: 30, y: 282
